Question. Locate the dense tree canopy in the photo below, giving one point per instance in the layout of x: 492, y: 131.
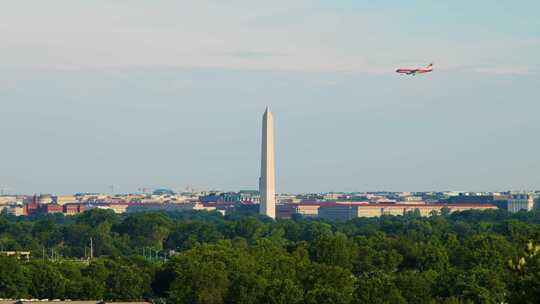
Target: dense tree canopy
x: 200, y: 257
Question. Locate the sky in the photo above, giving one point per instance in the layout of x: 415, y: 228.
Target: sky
x: 147, y: 94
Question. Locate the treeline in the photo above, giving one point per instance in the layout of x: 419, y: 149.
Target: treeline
x: 467, y: 257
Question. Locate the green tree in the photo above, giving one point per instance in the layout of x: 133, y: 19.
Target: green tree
x: 148, y: 229
x: 245, y: 288
x: 45, y: 232
x: 199, y: 283
x: 481, y: 285
x: 201, y: 275
x: 250, y: 228
x: 376, y: 254
x: 416, y: 287
x: 433, y: 257
x: 334, y: 250
x: 124, y: 282
x: 95, y: 278
x: 186, y: 235
x: 526, y: 276
x: 327, y: 284
x: 283, y: 292
x: 377, y: 288
x: 94, y: 217
x: 13, y: 282
x: 75, y: 280
x: 47, y: 281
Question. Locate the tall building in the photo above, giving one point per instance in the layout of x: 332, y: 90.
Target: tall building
x: 267, y: 181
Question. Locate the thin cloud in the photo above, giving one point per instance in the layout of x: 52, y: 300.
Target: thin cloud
x: 509, y: 70
x: 280, y: 35
x: 254, y: 54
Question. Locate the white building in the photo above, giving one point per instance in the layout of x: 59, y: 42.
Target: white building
x: 518, y: 202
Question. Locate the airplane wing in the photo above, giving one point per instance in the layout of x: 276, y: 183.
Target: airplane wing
x: 406, y: 71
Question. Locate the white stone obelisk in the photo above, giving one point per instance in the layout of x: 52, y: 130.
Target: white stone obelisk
x: 267, y: 181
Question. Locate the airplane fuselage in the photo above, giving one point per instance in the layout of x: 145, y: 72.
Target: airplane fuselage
x: 415, y: 71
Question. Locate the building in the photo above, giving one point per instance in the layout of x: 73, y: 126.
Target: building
x: 17, y: 210
x: 116, y: 207
x: 285, y: 211
x: 214, y: 197
x: 45, y: 199
x: 161, y: 192
x: 72, y: 209
x: 338, y: 212
x: 8, y: 200
x: 517, y: 202
x: 267, y: 181
x: 411, y: 199
x: 135, y: 207
x: 284, y: 198
x: 50, y: 208
x: 343, y: 212
x: 309, y: 209
x: 470, y: 199
x: 31, y: 208
x: 65, y: 199
x: 243, y: 196
x: 252, y: 196
x: 21, y: 255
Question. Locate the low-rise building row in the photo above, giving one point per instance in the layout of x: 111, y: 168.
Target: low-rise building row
x: 342, y: 211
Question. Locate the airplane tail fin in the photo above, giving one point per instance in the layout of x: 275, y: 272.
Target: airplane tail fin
x: 429, y: 66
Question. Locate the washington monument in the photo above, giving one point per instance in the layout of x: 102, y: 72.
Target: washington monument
x: 267, y: 181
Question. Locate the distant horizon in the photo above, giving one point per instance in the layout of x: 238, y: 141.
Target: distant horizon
x: 280, y: 193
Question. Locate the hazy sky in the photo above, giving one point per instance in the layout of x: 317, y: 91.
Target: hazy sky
x: 165, y: 93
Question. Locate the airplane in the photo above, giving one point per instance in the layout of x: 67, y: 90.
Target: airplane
x: 413, y: 72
